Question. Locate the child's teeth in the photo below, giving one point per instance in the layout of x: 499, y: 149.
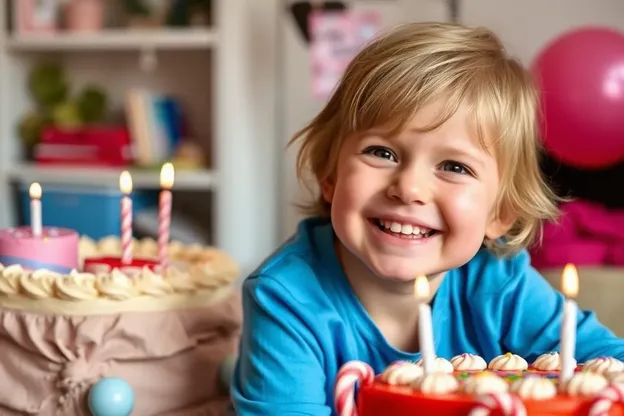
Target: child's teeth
x: 406, y: 229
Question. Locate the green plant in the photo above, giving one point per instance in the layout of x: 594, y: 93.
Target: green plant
x: 92, y: 104
x: 136, y: 8
x: 30, y: 127
x: 66, y: 115
x: 48, y: 84
x: 50, y: 89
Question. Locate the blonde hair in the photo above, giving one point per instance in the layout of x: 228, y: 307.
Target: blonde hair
x: 411, y: 66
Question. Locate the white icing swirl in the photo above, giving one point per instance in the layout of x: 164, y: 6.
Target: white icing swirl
x: 603, y: 365
x: 616, y: 377
x: 584, y: 384
x: 401, y: 373
x: 109, y: 246
x: 534, y: 388
x: 440, y: 365
x: 116, y: 285
x: 10, y: 278
x: 436, y: 383
x: 548, y: 362
x: 180, y: 281
x: 508, y: 362
x: 149, y: 283
x: 39, y: 284
x: 76, y: 286
x: 468, y: 362
x: 485, y: 383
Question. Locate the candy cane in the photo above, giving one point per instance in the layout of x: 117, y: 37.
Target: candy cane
x: 508, y: 404
x: 344, y: 391
x: 606, y: 398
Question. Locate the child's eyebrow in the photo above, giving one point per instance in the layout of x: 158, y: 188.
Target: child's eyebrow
x: 474, y: 154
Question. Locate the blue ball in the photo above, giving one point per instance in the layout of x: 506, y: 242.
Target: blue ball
x: 111, y: 397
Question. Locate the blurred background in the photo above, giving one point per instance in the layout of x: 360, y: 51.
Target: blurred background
x: 218, y: 87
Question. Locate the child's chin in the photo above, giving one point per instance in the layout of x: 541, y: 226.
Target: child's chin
x: 399, y: 274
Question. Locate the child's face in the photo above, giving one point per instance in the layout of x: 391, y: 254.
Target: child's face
x: 388, y: 191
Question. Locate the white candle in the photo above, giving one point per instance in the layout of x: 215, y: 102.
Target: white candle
x: 167, y: 174
x: 569, y: 287
x: 125, y: 185
x: 36, y: 222
x: 425, y: 327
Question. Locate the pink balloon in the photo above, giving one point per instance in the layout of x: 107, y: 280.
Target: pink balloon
x: 581, y: 78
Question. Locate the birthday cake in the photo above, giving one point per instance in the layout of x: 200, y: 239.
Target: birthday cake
x: 137, y: 338
x: 467, y: 385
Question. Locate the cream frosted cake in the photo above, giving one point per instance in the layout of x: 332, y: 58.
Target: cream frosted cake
x: 163, y: 333
x: 467, y: 385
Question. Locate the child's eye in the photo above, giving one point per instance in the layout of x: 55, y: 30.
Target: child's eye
x: 455, y: 167
x: 380, y: 152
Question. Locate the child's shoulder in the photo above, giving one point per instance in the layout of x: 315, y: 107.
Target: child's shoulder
x: 486, y: 271
x: 296, y: 266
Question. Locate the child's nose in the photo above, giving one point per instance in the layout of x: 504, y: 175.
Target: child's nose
x: 411, y: 187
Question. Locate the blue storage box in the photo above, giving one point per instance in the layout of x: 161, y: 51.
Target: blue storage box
x: 95, y: 212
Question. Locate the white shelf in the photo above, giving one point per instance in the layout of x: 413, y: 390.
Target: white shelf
x: 108, y: 177
x: 120, y: 39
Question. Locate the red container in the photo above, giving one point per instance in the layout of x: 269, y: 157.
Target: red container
x: 92, y: 146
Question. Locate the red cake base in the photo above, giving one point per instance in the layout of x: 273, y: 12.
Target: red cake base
x: 381, y: 399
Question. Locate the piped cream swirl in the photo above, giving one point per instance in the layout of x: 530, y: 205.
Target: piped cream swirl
x: 485, y: 383
x: 149, y: 283
x: 10, y: 279
x: 440, y: 365
x: 534, y: 388
x: 116, y: 285
x: 548, y: 362
x: 436, y: 383
x: 584, y: 384
x: 76, y: 286
x: 616, y: 377
x: 603, y: 365
x: 401, y: 373
x: 468, y: 362
x: 508, y: 362
x: 39, y: 284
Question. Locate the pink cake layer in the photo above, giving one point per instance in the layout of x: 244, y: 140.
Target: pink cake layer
x: 56, y: 249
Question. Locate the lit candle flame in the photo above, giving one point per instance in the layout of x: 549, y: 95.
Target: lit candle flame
x: 569, y: 281
x: 167, y: 175
x: 421, y: 287
x: 125, y: 182
x: 35, y: 190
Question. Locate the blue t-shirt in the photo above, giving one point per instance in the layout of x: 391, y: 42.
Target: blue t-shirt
x: 302, y: 321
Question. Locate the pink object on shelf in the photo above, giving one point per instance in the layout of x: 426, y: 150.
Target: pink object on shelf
x: 56, y: 249
x: 587, y: 234
x: 92, y: 146
x: 35, y: 16
x: 84, y: 15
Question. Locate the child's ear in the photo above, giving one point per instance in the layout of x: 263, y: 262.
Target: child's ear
x: 327, y: 190
x: 500, y: 223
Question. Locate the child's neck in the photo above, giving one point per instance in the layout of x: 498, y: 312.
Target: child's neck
x: 390, y: 304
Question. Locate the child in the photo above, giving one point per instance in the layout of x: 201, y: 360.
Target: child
x: 426, y: 158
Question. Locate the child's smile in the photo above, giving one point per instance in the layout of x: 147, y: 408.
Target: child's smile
x: 402, y: 231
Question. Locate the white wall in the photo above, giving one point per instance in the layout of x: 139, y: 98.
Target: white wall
x: 524, y: 25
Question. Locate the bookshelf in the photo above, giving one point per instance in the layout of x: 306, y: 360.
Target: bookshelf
x: 231, y: 94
